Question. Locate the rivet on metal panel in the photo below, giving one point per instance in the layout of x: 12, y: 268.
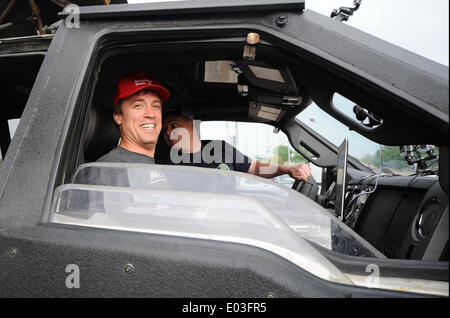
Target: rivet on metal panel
x: 129, y: 268
x: 282, y: 20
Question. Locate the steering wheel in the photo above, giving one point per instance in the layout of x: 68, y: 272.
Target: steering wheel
x: 309, y: 188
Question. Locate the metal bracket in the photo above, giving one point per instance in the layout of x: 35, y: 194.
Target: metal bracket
x: 249, y: 53
x: 344, y: 13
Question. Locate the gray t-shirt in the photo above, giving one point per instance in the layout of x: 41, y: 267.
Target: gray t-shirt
x: 120, y: 154
x: 121, y: 178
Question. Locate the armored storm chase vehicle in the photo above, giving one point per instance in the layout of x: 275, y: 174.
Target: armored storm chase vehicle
x: 371, y: 223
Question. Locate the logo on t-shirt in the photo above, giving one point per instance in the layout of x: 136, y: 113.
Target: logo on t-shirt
x: 223, y: 166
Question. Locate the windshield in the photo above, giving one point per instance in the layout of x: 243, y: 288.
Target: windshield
x: 361, y: 148
x: 200, y: 202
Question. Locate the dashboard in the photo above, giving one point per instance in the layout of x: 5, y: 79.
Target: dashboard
x: 404, y: 217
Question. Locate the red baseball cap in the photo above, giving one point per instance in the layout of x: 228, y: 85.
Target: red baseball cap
x: 135, y: 82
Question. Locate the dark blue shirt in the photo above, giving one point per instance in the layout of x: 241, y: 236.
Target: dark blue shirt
x: 216, y: 154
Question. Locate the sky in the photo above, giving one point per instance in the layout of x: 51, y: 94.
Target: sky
x: 416, y: 25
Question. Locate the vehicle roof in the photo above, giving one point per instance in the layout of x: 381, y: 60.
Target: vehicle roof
x: 186, y: 7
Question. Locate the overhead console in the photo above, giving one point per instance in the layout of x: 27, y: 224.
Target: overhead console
x: 270, y: 78
x: 271, y: 89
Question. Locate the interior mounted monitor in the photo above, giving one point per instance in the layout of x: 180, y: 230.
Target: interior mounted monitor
x: 341, y: 178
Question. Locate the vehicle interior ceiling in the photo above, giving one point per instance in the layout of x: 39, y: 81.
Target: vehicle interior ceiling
x: 19, y: 73
x: 389, y: 219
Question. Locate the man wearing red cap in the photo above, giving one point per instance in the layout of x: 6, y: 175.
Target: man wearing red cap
x: 138, y: 114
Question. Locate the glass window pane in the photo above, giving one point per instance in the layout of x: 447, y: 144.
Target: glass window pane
x: 360, y: 147
x: 259, y: 142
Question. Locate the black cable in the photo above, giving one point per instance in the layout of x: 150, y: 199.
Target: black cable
x: 366, y: 192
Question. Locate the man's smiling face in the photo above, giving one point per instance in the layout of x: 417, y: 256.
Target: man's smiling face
x: 139, y: 120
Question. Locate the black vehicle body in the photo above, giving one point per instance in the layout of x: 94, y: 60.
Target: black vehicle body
x: 64, y: 124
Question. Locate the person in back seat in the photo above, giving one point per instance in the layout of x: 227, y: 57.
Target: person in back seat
x: 187, y: 149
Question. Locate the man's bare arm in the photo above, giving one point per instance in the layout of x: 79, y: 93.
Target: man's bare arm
x: 267, y: 170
